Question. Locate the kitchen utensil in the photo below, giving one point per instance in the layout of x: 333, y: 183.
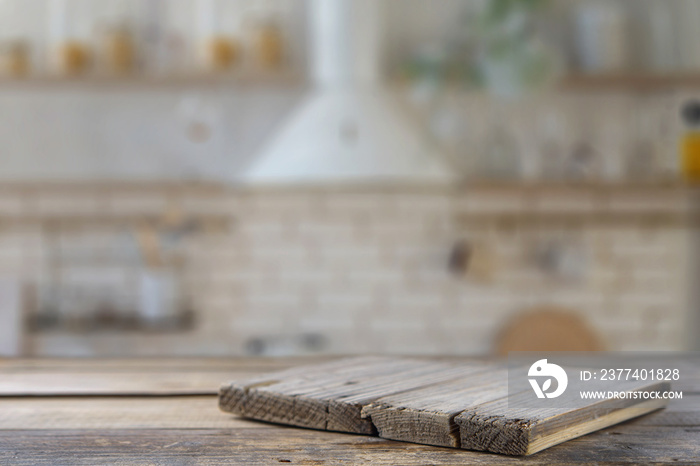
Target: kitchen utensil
x: 473, y: 260
x: 551, y: 128
x: 149, y: 244
x: 11, y: 328
x: 584, y: 161
x: 501, y: 156
x: 159, y: 297
x: 563, y: 258
x: 647, y: 138
x: 547, y: 329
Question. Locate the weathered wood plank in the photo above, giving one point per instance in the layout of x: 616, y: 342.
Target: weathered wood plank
x: 501, y: 427
x: 422, y: 401
x: 331, y: 396
x: 427, y: 415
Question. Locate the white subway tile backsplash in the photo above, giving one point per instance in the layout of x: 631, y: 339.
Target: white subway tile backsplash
x: 348, y: 300
x: 417, y: 204
x: 217, y: 205
x: 341, y: 204
x: 368, y: 271
x: 67, y: 205
x: 490, y: 203
x: 327, y: 322
x: 138, y: 203
x: 275, y: 204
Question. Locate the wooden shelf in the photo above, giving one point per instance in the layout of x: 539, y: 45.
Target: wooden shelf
x: 581, y: 82
x: 638, y: 82
x: 666, y: 203
x: 282, y: 79
x: 207, y: 222
x: 108, y: 186
x: 532, y: 219
x: 665, y: 185
x: 293, y: 79
x: 51, y: 322
x: 71, y: 212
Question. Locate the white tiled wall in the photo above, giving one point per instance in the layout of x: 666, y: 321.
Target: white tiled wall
x: 367, y: 270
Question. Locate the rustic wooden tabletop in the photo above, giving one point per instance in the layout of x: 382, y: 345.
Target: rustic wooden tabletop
x: 164, y: 411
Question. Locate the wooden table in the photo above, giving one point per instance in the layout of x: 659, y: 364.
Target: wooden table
x: 164, y: 411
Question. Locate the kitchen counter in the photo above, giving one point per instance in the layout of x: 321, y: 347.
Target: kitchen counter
x: 164, y: 411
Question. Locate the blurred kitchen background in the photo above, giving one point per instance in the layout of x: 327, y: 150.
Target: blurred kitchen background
x: 272, y: 177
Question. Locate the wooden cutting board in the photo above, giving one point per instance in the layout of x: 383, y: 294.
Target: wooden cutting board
x: 444, y: 403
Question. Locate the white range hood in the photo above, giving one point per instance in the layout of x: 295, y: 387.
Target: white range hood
x: 348, y: 130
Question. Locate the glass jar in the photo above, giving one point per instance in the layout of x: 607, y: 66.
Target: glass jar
x: 118, y: 50
x: 690, y: 142
x: 14, y: 59
x: 268, y: 45
x: 73, y: 58
x: 221, y: 53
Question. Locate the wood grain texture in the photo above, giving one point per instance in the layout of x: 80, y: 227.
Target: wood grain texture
x: 427, y: 415
x: 330, y: 396
x: 436, y: 403
x: 500, y: 426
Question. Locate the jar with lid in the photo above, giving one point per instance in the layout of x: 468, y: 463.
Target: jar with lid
x: 268, y: 44
x: 690, y: 142
x: 14, y: 58
x: 219, y: 49
x: 117, y: 49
